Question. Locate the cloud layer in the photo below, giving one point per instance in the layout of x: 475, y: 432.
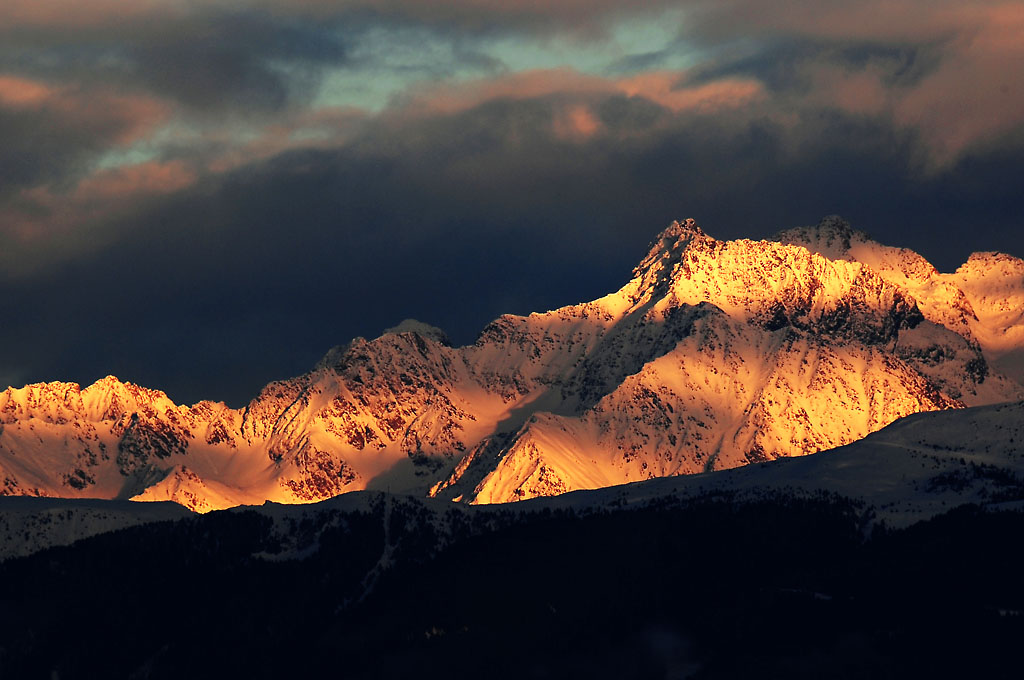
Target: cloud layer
x: 204, y: 196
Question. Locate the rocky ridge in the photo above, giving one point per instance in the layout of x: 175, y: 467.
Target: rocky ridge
x: 715, y: 354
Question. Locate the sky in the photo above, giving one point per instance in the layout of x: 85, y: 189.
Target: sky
x: 202, y: 196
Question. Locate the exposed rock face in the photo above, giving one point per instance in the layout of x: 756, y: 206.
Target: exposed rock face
x: 982, y: 301
x: 714, y: 355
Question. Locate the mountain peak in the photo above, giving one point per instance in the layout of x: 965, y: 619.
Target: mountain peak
x: 424, y: 330
x: 105, y: 382
x: 832, y: 237
x: 991, y: 259
x: 333, y: 358
x: 717, y: 353
x: 666, y: 250
x: 835, y: 224
x: 677, y: 231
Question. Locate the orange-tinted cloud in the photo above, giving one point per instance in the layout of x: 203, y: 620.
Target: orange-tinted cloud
x: 320, y: 128
x: 452, y: 98
x: 34, y: 14
x: 465, y: 14
x: 121, y: 117
x: 669, y: 89
x: 69, y: 220
x: 128, y: 117
x: 142, y: 179
x: 972, y: 94
x: 977, y: 92
x: 876, y: 20
x: 576, y: 122
x: 576, y: 118
x: 16, y: 92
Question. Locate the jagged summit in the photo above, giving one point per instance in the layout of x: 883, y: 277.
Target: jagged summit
x: 832, y: 237
x: 679, y: 229
x: 419, y: 328
x: 1008, y: 265
x: 982, y: 301
x: 713, y: 355
x: 665, y: 250
x: 334, y: 355
x: 837, y: 228
x: 771, y: 283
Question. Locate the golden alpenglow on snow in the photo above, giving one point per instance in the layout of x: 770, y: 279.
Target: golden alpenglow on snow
x: 715, y: 354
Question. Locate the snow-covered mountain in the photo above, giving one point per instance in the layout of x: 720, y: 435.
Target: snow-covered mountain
x: 714, y: 354
x: 28, y: 525
x: 912, y: 470
x: 983, y: 300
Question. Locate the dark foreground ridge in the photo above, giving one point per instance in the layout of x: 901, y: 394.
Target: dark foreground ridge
x: 708, y: 588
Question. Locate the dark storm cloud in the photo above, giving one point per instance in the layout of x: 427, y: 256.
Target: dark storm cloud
x: 455, y: 219
x: 228, y: 62
x: 965, y: 91
x: 782, y: 64
x: 237, y: 60
x: 233, y: 255
x: 465, y: 14
x: 259, y: 56
x: 47, y: 132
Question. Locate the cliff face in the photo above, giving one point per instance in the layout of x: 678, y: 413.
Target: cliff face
x: 713, y: 355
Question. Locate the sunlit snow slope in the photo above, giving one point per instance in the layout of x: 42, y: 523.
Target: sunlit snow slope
x: 715, y: 354
x: 983, y: 300
x: 912, y: 470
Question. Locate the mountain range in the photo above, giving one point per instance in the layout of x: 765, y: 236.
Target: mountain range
x: 668, y: 523
x: 852, y: 563
x: 713, y: 355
